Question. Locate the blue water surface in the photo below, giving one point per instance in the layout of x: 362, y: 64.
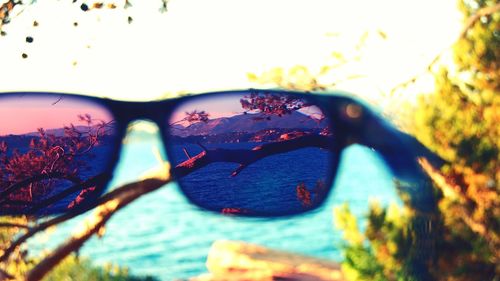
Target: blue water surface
x: 163, y: 235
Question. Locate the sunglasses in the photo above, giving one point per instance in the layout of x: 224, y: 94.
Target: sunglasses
x: 246, y: 152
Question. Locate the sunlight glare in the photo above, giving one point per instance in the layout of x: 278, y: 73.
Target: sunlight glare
x: 211, y: 45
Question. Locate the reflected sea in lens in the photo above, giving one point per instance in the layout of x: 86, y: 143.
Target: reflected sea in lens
x: 163, y: 235
x: 269, y: 185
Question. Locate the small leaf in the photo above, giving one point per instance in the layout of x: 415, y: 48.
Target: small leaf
x: 252, y: 77
x: 382, y: 34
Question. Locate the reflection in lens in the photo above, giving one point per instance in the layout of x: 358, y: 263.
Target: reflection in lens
x: 53, y: 151
x: 252, y: 154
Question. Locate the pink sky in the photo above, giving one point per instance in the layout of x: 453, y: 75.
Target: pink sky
x: 22, y: 115
x: 222, y: 106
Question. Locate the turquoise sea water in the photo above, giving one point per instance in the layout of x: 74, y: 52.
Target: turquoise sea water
x: 163, y: 235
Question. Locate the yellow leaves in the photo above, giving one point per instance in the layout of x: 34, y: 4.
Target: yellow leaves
x: 461, y: 122
x: 481, y: 193
x: 296, y: 78
x: 272, y: 76
x: 347, y: 222
x: 394, y: 214
x: 388, y: 237
x: 480, y: 48
x: 460, y: 130
x: 301, y: 79
x: 350, y: 273
x: 382, y: 34
x: 325, y: 69
x: 252, y: 77
x: 392, y: 247
x: 338, y: 56
x: 17, y: 265
x: 470, y: 204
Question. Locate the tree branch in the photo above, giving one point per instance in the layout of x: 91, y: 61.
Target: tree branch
x: 117, y: 193
x: 485, y: 11
x: 454, y: 191
x: 65, y: 193
x: 104, y: 212
x: 13, y: 225
x: 245, y: 157
x: 35, y: 178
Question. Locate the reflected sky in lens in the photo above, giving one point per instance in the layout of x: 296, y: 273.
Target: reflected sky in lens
x: 224, y: 106
x: 25, y: 114
x: 61, y: 168
x: 255, y: 153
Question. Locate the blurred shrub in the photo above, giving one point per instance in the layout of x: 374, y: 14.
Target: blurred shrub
x: 72, y: 268
x: 82, y: 269
x: 460, y: 121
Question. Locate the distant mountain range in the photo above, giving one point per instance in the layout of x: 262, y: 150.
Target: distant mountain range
x: 248, y: 123
x: 243, y: 127
x: 59, y: 132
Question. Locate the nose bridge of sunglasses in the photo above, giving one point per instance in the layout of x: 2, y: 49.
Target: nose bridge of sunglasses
x: 142, y: 156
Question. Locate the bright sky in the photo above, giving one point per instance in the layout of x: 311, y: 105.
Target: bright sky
x: 202, y: 45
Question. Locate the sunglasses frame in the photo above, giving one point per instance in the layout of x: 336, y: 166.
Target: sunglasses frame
x: 365, y: 127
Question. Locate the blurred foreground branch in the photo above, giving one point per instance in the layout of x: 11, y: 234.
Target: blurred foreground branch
x: 108, y: 204
x: 106, y: 207
x: 455, y: 192
x: 95, y: 225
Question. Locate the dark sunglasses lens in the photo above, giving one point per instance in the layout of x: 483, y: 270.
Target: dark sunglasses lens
x: 53, y: 152
x: 256, y: 154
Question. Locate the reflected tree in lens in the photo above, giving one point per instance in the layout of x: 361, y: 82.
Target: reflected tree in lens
x: 305, y: 194
x: 240, y: 140
x: 50, y: 168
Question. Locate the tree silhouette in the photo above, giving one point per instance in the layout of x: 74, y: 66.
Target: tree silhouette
x: 28, y: 175
x: 271, y: 104
x: 40, y: 171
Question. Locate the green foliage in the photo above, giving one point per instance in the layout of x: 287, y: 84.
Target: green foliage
x: 296, y: 78
x: 72, y: 268
x: 81, y: 269
x: 348, y: 223
x: 360, y: 264
x: 19, y: 264
x: 379, y: 253
x: 460, y: 122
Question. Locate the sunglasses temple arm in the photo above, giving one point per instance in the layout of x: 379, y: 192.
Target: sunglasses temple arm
x: 401, y: 152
